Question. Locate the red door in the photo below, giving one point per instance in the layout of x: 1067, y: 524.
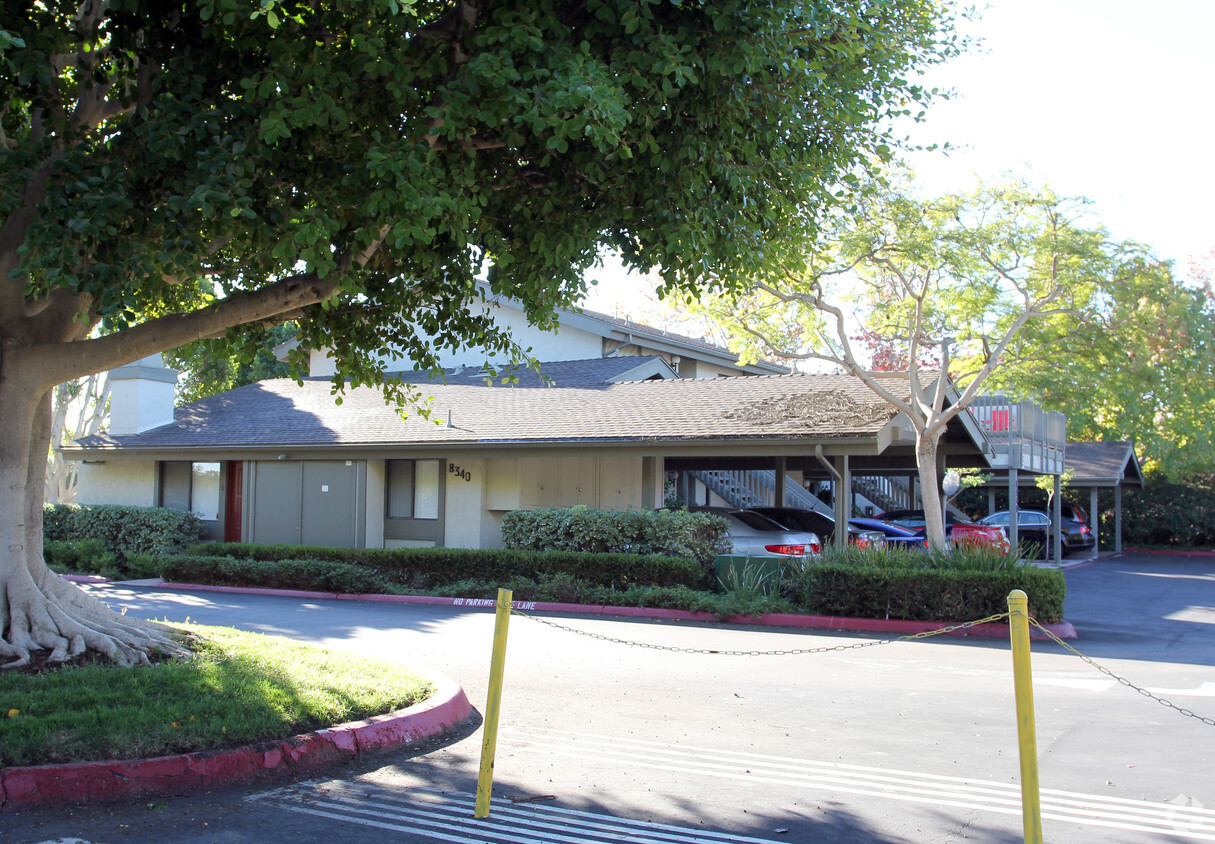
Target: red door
x: 233, y: 498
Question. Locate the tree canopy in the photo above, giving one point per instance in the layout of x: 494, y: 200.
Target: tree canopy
x: 173, y: 170
x: 1144, y: 372
x: 900, y: 283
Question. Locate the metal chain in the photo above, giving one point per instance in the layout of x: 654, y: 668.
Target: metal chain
x: 1210, y: 722
x: 793, y: 652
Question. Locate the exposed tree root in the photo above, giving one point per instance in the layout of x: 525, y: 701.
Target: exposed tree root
x: 57, y: 616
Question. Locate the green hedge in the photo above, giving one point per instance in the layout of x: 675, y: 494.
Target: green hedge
x: 310, y: 575
x: 922, y: 594
x: 1165, y: 512
x: 679, y: 533
x: 125, y: 531
x: 425, y: 568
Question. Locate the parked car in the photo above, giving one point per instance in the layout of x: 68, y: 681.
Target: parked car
x: 897, y: 536
x: 799, y: 518
x: 756, y: 535
x: 958, y: 531
x: 1034, y: 527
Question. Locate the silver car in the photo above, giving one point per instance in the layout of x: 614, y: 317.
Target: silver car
x: 755, y: 535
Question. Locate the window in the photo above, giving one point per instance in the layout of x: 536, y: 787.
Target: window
x: 193, y: 487
x: 413, y: 489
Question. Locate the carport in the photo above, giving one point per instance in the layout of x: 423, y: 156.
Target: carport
x: 850, y: 438
x: 1092, y: 466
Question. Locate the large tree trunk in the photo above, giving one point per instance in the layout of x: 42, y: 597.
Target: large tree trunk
x: 38, y: 609
x: 934, y: 514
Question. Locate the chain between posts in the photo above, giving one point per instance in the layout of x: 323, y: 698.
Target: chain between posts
x: 1210, y: 722
x: 791, y: 652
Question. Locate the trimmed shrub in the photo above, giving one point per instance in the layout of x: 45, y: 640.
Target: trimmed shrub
x: 1167, y: 513
x: 426, y: 568
x: 855, y: 591
x: 678, y: 533
x: 309, y: 575
x: 87, y: 556
x: 124, y: 530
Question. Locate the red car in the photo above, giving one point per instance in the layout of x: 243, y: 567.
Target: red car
x: 958, y: 531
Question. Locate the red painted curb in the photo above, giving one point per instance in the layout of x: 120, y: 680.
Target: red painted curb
x: 1064, y: 629
x: 89, y: 782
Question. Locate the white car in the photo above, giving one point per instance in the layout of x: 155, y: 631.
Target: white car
x: 755, y: 535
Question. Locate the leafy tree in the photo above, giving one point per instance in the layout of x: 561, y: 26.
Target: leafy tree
x: 900, y: 289
x: 352, y: 165
x: 1144, y: 372
x: 211, y: 367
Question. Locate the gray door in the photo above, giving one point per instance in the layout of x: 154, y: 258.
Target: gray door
x: 330, y: 504
x: 275, y: 516
x: 309, y: 502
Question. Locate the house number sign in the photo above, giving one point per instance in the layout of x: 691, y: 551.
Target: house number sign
x: 453, y: 469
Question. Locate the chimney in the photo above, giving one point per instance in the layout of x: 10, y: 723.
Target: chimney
x: 141, y: 396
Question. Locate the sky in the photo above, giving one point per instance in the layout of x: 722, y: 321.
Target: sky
x: 1113, y: 100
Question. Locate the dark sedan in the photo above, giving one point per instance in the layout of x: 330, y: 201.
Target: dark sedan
x: 1033, y: 527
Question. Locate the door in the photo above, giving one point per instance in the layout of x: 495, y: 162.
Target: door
x: 234, y: 499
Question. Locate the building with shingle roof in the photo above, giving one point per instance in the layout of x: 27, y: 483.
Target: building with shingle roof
x: 281, y: 461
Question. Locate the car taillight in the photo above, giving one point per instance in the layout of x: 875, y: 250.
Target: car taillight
x: 1084, y: 529
x: 861, y: 542
x: 815, y: 548
x: 787, y: 550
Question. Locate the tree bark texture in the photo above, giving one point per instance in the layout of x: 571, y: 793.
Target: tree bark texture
x: 38, y: 609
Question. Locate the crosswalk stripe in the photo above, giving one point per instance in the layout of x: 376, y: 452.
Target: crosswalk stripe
x: 447, y: 816
x: 1000, y: 798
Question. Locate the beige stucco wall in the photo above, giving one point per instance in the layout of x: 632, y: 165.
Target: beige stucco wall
x: 464, y: 502
x: 117, y: 482
x: 529, y: 483
x: 376, y: 490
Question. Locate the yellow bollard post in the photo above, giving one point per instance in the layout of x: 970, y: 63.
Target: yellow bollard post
x: 497, y: 664
x: 1027, y: 736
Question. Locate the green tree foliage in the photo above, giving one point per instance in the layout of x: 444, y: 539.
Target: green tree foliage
x: 174, y: 170
x: 899, y: 288
x: 210, y: 367
x: 1144, y: 372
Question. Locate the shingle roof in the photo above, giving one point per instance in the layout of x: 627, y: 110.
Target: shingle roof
x: 282, y: 413
x: 1103, y: 463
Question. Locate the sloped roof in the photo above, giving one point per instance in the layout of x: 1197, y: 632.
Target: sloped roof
x: 281, y: 413
x: 1103, y: 464
x: 589, y: 373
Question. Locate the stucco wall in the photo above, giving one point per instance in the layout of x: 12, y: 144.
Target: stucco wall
x: 610, y: 483
x: 376, y: 479
x: 464, y: 506
x: 117, y: 482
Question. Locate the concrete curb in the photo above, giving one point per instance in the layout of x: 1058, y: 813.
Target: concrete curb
x: 1064, y: 629
x: 89, y: 782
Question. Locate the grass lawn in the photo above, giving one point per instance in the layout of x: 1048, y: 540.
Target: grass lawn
x: 239, y: 688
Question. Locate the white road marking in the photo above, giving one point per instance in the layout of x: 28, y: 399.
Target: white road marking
x: 447, y: 816
x: 930, y: 789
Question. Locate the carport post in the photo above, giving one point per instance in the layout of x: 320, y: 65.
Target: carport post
x: 497, y: 665
x: 1013, y: 533
x: 1056, y: 520
x: 1027, y: 733
x: 1094, y: 524
x: 1118, y: 517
